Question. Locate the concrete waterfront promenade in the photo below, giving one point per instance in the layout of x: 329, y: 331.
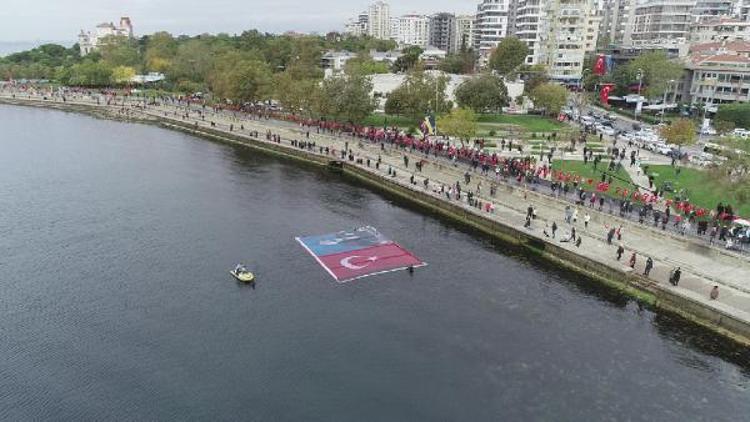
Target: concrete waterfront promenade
x: 703, y: 266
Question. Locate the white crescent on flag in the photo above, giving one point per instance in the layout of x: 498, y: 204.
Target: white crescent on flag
x: 346, y: 262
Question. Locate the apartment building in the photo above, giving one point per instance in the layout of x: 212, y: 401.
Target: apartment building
x: 719, y: 72
x: 379, y: 20
x: 443, y: 31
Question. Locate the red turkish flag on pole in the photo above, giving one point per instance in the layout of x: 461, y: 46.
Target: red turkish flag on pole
x: 604, y: 94
x: 600, y: 66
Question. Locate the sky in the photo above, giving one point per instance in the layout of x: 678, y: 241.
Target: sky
x: 61, y: 20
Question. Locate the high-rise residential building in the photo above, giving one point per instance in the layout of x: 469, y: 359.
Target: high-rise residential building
x: 359, y: 25
x: 662, y: 22
x: 743, y: 10
x: 719, y: 29
x: 379, y: 20
x: 395, y: 27
x: 443, y: 31
x: 464, y: 33
x: 617, y: 22
x: 559, y: 34
x: 491, y: 26
x: 414, y: 29
x: 572, y: 28
x: 530, y: 26
x: 710, y: 9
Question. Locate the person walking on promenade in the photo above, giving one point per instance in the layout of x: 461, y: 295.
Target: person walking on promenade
x: 575, y: 215
x: 619, y: 233
x: 649, y: 266
x: 586, y: 219
x: 632, y: 260
x: 610, y: 235
x: 714, y: 293
x: 620, y: 251
x: 554, y: 229
x: 674, y: 276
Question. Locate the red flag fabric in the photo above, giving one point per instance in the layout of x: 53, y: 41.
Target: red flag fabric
x: 600, y: 65
x: 604, y: 94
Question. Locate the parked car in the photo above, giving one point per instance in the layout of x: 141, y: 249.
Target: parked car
x: 742, y: 133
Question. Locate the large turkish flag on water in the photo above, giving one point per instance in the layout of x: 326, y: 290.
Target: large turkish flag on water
x: 347, y: 266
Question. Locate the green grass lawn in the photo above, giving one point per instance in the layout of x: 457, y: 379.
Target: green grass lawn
x: 701, y: 190
x: 528, y: 122
x: 619, y: 179
x: 380, y: 120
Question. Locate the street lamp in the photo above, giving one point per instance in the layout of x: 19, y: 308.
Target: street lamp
x: 639, y: 104
x: 664, y: 101
x: 709, y: 100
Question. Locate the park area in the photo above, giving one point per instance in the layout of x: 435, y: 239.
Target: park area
x: 488, y: 125
x: 696, y: 185
x: 693, y: 185
x: 620, y: 178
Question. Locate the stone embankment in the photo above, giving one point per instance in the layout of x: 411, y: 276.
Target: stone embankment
x: 702, y: 266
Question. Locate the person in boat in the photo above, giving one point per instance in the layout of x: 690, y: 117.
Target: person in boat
x: 240, y: 269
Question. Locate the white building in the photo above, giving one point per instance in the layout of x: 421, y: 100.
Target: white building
x: 464, y: 33
x: 358, y: 26
x: 719, y: 72
x: 721, y: 29
x: 530, y: 26
x: 743, y: 10
x: 413, y: 29
x: 491, y: 26
x: 617, y: 24
x: 89, y: 41
x: 663, y: 22
x: 379, y: 20
x: 572, y: 31
x: 559, y: 34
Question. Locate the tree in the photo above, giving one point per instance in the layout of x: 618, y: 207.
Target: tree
x: 90, y: 73
x: 737, y: 113
x: 408, y: 60
x: 508, y: 56
x: 122, y: 74
x: 161, y: 49
x: 733, y: 174
x: 241, y: 78
x: 486, y: 93
x: 459, y: 63
x: 459, y: 123
x: 346, y: 98
x: 723, y: 126
x: 550, y: 97
x: 193, y: 61
x: 120, y: 51
x: 365, y: 65
x: 533, y: 76
x: 419, y: 95
x: 681, y: 133
x: 657, y: 71
x: 297, y: 95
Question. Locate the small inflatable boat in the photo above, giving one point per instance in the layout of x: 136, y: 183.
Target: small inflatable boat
x: 243, y: 276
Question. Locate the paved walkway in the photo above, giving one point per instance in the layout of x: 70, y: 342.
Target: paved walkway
x: 703, y: 267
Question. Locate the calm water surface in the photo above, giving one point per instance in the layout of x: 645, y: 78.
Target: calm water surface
x: 116, y: 304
